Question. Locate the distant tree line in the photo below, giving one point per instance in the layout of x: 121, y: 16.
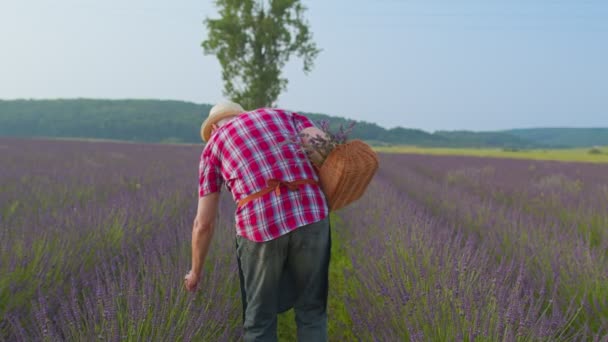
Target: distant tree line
x: 133, y: 120
x: 179, y: 122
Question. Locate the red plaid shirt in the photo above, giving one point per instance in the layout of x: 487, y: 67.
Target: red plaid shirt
x: 249, y: 150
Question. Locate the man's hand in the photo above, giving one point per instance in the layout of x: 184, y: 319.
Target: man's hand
x: 307, y: 134
x: 191, y: 281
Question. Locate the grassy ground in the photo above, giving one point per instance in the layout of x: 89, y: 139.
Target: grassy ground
x: 578, y: 154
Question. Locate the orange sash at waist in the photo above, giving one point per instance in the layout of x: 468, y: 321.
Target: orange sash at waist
x: 275, y: 184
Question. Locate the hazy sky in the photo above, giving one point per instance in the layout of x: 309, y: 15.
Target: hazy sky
x: 478, y: 65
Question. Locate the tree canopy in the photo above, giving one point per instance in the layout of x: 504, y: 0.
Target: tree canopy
x: 253, y: 40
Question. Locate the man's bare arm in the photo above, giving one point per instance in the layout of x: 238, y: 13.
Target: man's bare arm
x: 202, y: 233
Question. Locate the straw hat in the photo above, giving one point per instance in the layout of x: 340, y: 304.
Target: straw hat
x: 220, y: 111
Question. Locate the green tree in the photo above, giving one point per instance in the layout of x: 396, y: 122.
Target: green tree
x: 252, y: 41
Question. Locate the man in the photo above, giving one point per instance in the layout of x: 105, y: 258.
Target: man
x: 282, y: 223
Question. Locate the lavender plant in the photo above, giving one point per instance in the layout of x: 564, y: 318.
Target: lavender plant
x: 94, y: 242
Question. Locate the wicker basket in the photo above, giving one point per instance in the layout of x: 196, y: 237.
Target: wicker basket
x: 347, y: 172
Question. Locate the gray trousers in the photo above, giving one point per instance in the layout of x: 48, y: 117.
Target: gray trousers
x: 290, y: 271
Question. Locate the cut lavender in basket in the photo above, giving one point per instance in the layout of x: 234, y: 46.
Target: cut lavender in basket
x: 325, y: 145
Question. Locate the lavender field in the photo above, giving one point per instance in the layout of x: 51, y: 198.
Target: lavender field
x: 95, y: 241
